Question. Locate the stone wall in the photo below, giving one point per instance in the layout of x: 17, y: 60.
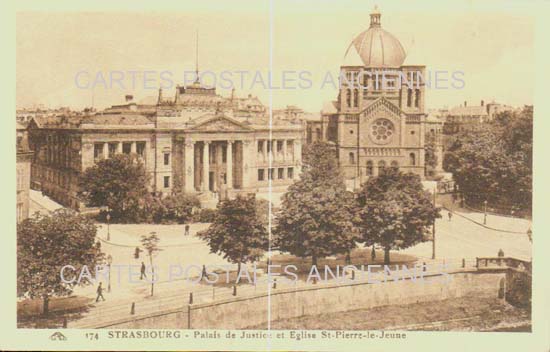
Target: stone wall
x: 242, y: 312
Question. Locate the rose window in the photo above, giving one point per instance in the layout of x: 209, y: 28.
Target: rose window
x: 382, y: 130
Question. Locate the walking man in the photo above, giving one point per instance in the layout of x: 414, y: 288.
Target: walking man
x: 142, y: 271
x: 186, y: 229
x: 204, y: 274
x: 99, y: 293
x: 450, y: 215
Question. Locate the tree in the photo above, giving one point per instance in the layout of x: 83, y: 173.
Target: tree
x: 238, y: 231
x: 120, y: 183
x: 45, y: 244
x: 150, y: 243
x: 178, y: 207
x: 430, y: 150
x: 494, y: 163
x: 316, y: 212
x: 394, y: 211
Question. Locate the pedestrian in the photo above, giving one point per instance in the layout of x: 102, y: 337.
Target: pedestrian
x: 186, y: 229
x: 136, y: 253
x: 204, y: 274
x: 99, y: 293
x: 142, y: 271
x: 450, y: 215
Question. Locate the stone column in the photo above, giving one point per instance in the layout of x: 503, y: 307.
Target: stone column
x: 284, y: 150
x: 119, y: 148
x: 133, y: 149
x: 189, y: 166
x: 229, y: 164
x: 205, y: 166
x: 105, y: 150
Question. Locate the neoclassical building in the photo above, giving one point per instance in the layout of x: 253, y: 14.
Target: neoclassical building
x: 199, y: 142
x: 378, y: 119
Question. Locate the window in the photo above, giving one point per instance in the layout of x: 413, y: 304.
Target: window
x: 224, y: 154
x: 412, y: 159
x: 261, y: 175
x: 140, y: 149
x: 269, y: 146
x: 381, y: 166
x: 370, y: 168
x: 417, y: 98
x: 279, y: 146
x: 409, y: 97
x: 270, y: 173
x: 166, y: 158
x: 351, y: 158
x: 350, y: 131
x: 98, y: 151
x: 395, y: 165
x: 126, y: 147
x: 112, y: 149
x: 280, y: 173
x: 166, y: 181
x: 355, y: 98
x: 290, y: 173
x: 260, y: 146
x: 348, y: 97
x: 318, y: 133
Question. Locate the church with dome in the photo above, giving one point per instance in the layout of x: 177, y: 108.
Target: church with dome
x: 378, y: 119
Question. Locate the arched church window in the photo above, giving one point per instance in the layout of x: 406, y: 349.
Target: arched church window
x: 351, y: 158
x: 412, y: 159
x: 381, y: 166
x: 370, y: 168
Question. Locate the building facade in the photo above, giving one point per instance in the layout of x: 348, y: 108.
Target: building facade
x: 23, y: 178
x: 378, y: 119
x: 199, y: 142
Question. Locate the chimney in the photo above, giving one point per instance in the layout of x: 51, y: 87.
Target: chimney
x: 465, y: 103
x: 482, y: 103
x: 129, y: 98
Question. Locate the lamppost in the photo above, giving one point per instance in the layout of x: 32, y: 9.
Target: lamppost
x: 109, y: 262
x: 108, y: 223
x: 433, y: 228
x: 485, y: 212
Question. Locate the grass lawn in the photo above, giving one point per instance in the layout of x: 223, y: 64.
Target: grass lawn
x: 29, y: 312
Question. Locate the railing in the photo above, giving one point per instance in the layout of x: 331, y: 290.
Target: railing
x: 503, y: 263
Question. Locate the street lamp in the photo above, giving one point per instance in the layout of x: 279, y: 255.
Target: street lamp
x: 109, y: 262
x: 485, y: 212
x: 433, y: 228
x: 108, y: 223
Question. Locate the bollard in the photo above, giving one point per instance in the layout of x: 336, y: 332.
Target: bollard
x: 64, y: 322
x: 274, y: 283
x: 133, y: 308
x: 234, y: 290
x: 314, y: 280
x: 190, y: 297
x: 463, y: 262
x: 353, y: 275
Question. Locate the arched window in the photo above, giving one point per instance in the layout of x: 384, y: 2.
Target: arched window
x: 417, y: 98
x: 348, y: 97
x: 395, y: 165
x: 355, y: 98
x: 351, y: 158
x: 409, y: 97
x: 381, y: 167
x: 412, y: 158
x: 370, y: 168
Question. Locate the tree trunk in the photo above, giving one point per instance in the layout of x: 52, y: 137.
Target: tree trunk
x: 238, y: 268
x: 387, y: 255
x: 373, y: 254
x: 45, y: 305
x: 348, y: 257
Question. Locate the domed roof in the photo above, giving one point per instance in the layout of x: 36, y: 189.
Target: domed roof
x: 376, y: 47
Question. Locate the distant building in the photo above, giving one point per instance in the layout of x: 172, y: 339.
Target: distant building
x: 467, y: 117
x: 199, y: 142
x: 377, y: 123
x: 23, y: 169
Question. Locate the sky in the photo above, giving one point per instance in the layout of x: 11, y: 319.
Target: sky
x: 80, y: 59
